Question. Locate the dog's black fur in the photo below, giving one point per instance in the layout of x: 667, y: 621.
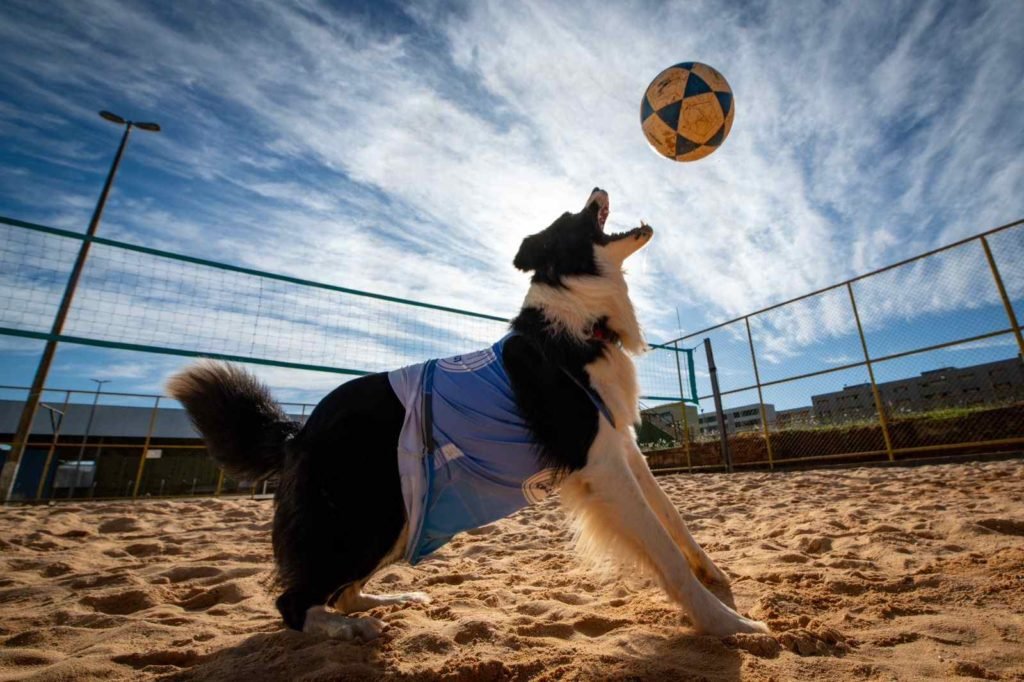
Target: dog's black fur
x: 339, y: 510
x: 338, y: 505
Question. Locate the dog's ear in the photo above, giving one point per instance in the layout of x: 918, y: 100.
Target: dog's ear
x: 538, y: 247
x: 530, y: 252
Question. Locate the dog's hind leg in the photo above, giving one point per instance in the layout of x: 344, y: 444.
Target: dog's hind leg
x: 353, y: 599
x: 339, y: 514
x: 671, y: 519
x: 306, y: 610
x: 607, y: 499
x: 320, y: 611
x: 336, y: 623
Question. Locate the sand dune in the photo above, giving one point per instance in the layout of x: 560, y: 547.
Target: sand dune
x: 863, y: 574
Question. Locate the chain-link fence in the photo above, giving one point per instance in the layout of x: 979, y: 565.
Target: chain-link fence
x: 133, y: 298
x: 921, y: 358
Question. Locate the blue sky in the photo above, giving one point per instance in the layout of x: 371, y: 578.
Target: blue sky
x: 407, y: 149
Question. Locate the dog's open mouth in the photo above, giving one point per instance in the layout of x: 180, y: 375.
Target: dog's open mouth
x: 645, y: 231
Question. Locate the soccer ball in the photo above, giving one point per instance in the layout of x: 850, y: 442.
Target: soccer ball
x: 687, y: 111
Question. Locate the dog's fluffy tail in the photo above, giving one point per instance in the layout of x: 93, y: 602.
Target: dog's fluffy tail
x: 244, y: 428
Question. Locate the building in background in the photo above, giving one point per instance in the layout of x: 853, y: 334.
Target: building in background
x: 991, y: 383
x: 795, y: 418
x: 97, y: 454
x: 737, y: 419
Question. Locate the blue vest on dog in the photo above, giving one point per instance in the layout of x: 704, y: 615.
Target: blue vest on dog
x: 466, y: 456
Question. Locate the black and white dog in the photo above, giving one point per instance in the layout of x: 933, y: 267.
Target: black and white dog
x: 378, y: 472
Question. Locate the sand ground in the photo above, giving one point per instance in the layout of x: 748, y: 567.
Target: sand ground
x: 863, y: 574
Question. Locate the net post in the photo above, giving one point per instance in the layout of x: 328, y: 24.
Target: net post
x: 713, y: 371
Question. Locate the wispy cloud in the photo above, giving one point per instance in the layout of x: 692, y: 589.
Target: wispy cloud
x: 407, y: 151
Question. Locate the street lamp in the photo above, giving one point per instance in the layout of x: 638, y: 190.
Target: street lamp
x: 28, y: 414
x: 88, y: 429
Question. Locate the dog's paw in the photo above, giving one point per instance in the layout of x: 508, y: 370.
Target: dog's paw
x: 732, y: 624
x: 416, y: 597
x: 369, y: 601
x: 365, y: 628
x: 750, y: 626
x: 403, y: 598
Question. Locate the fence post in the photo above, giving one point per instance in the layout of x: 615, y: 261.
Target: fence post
x: 53, y: 448
x: 713, y: 371
x: 879, y: 407
x: 760, y: 397
x: 682, y: 406
x: 145, y: 448
x: 1002, y: 294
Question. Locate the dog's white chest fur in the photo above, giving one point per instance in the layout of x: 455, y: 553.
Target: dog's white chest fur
x: 573, y: 310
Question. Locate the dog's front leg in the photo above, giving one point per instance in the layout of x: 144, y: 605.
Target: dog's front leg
x: 607, y: 499
x: 670, y: 517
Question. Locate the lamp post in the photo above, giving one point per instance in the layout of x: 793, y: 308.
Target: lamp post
x: 85, y: 437
x: 28, y: 414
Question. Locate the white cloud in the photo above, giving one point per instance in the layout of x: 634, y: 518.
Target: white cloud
x: 410, y: 157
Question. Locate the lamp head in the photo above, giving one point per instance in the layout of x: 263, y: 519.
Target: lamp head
x: 113, y: 118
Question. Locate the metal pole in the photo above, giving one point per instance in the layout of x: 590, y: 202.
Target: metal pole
x: 760, y: 397
x: 1002, y: 294
x: 871, y: 375
x: 145, y: 448
x: 682, y: 406
x: 88, y: 429
x: 28, y: 413
x: 713, y: 371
